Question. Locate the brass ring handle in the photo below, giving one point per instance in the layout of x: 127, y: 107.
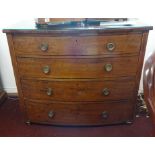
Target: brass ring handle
x: 105, y: 115
x: 108, y: 67
x: 44, y: 47
x: 106, y: 91
x: 110, y: 46
x: 51, y: 114
x: 49, y: 91
x: 46, y: 69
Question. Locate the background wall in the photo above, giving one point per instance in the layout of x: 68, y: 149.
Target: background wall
x: 6, y: 71
x: 19, y: 12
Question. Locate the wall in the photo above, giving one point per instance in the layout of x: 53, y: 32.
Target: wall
x: 6, y: 71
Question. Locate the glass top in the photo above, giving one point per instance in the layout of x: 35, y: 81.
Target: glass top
x: 66, y: 26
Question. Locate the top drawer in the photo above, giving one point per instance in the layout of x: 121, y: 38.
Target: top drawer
x: 77, y: 45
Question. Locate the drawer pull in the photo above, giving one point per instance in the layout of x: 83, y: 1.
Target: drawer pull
x: 108, y: 67
x: 105, y: 115
x: 46, y: 69
x: 106, y: 91
x: 49, y: 91
x: 44, y: 47
x: 51, y: 114
x: 110, y: 46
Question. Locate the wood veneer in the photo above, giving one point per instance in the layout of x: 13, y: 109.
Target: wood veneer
x: 76, y: 75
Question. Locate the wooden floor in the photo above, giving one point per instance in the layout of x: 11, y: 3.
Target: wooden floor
x: 11, y: 124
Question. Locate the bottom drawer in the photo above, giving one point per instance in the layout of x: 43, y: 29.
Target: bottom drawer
x: 80, y: 113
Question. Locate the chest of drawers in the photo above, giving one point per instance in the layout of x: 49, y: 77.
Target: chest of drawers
x: 78, y: 76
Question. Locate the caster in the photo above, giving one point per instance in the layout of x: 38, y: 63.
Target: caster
x: 129, y: 122
x: 137, y: 116
x: 147, y: 116
x: 28, y: 122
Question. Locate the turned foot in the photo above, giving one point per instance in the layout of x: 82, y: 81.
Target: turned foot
x: 147, y: 116
x: 137, y: 116
x: 28, y: 122
x: 129, y: 122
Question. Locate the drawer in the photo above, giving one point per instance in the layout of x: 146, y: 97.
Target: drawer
x: 77, y: 45
x: 77, y: 90
x: 80, y: 114
x: 77, y: 67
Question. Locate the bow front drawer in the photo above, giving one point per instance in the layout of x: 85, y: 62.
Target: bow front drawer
x: 77, y: 45
x: 80, y: 113
x: 77, y: 90
x: 77, y: 67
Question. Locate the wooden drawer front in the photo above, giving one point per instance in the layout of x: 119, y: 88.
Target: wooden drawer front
x: 77, y: 68
x: 82, y: 45
x: 77, y: 90
x: 80, y: 114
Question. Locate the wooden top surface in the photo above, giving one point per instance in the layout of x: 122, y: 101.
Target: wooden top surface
x: 103, y: 27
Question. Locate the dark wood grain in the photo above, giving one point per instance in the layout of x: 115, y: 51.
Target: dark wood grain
x: 77, y: 67
x: 78, y: 90
x: 17, y: 78
x: 75, y: 45
x: 80, y: 114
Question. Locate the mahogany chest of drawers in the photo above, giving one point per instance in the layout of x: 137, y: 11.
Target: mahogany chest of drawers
x: 78, y: 76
